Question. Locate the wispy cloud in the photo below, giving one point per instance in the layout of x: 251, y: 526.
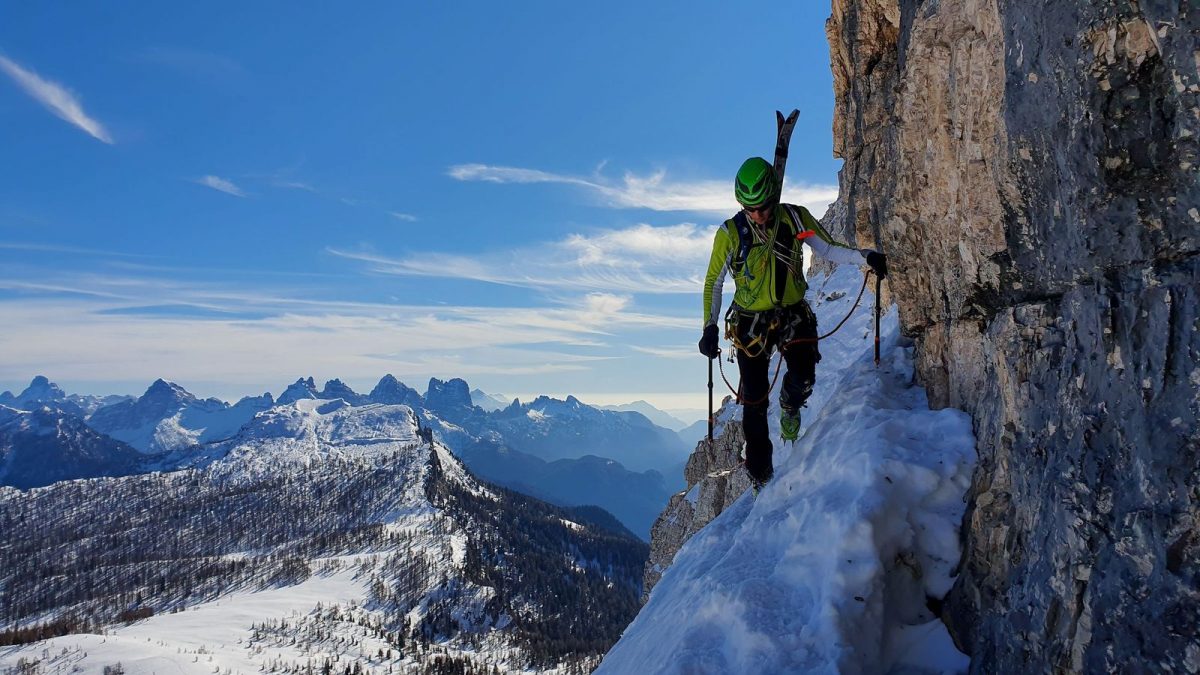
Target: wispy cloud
x: 221, y: 184
x: 282, y: 179
x: 57, y: 99
x: 73, y: 250
x: 144, y: 328
x: 666, y: 352
x: 195, y: 62
x: 293, y: 185
x: 655, y: 191
x: 638, y: 259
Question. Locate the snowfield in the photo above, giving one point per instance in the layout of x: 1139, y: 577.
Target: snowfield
x: 206, y: 639
x: 828, y: 570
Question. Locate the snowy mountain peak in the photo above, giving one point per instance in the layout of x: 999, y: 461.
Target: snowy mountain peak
x: 570, y: 406
x: 659, y: 417
x: 42, y: 392
x: 42, y: 389
x: 337, y: 389
x: 300, y: 389
x: 489, y: 402
x: 336, y: 386
x: 167, y: 393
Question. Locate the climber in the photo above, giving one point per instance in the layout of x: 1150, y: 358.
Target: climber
x: 761, y: 247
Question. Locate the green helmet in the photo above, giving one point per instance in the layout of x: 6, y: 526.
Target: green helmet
x: 755, y: 183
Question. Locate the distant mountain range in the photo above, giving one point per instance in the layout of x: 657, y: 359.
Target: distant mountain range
x: 41, y: 392
x: 418, y: 559
x: 489, y: 402
x: 564, y: 451
x: 659, y: 417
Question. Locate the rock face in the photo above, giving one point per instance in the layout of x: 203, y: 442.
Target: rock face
x: 450, y: 399
x: 714, y: 481
x: 1031, y: 171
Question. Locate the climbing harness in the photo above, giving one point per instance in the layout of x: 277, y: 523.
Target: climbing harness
x: 732, y: 336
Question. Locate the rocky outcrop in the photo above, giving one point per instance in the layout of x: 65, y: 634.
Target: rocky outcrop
x: 450, y: 399
x: 1031, y: 171
x: 335, y: 388
x: 714, y: 481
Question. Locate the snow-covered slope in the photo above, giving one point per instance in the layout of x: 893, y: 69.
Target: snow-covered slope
x: 829, y: 569
x: 288, y: 439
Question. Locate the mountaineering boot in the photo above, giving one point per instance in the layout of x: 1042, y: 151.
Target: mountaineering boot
x: 757, y: 483
x: 789, y: 424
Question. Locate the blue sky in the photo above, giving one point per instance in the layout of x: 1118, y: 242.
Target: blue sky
x: 231, y: 196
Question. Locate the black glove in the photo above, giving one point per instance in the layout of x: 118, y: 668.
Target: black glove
x: 708, y: 343
x: 878, y: 263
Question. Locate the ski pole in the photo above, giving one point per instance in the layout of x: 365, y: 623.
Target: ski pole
x: 710, y: 412
x: 878, y: 282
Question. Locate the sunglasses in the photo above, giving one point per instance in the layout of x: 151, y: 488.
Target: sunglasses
x: 756, y: 209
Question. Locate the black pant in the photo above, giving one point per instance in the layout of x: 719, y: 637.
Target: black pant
x: 777, y: 328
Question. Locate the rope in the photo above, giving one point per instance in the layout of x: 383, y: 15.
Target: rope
x: 778, y: 365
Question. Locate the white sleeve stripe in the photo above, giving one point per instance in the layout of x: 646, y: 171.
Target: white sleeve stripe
x: 836, y: 254
x: 714, y: 309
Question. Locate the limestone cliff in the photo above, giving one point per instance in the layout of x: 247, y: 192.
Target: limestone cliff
x: 1031, y: 171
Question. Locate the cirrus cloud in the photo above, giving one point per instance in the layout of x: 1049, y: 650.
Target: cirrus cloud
x: 638, y: 259
x: 221, y: 185
x: 56, y: 98
x: 655, y: 191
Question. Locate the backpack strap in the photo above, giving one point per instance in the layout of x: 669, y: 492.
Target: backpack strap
x: 802, y: 230
x: 740, y: 226
x: 784, y: 244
